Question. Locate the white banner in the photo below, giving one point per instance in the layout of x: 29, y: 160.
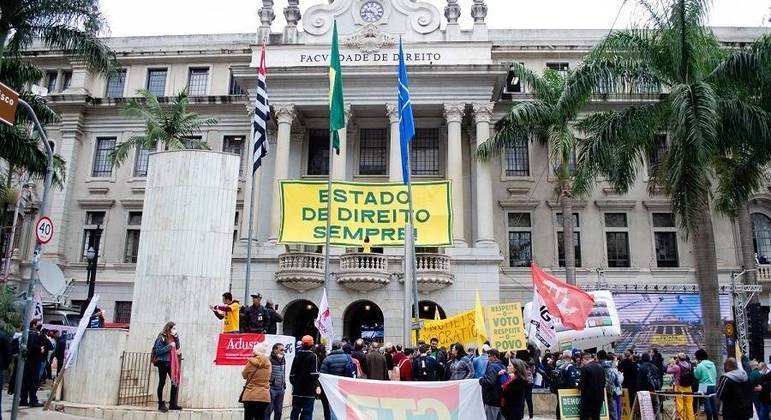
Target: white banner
x: 323, y: 321
x: 362, y: 399
x: 73, y: 354
x: 540, y: 329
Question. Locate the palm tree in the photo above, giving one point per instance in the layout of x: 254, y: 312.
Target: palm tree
x: 706, y: 120
x: 550, y: 119
x: 71, y: 26
x: 171, y: 125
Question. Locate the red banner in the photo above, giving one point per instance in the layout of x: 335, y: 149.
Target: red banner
x: 236, y: 349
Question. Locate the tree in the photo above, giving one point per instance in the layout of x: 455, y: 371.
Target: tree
x: 171, y: 125
x: 550, y: 119
x: 706, y: 118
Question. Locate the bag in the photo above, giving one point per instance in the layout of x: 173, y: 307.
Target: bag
x: 654, y: 382
x: 357, y: 367
x: 556, y: 381
x: 426, y: 374
x: 686, y: 375
x: 395, y: 374
x: 154, y: 355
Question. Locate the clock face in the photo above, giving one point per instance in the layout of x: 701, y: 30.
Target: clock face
x: 371, y: 11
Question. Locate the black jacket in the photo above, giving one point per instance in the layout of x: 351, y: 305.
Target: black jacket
x: 255, y: 319
x: 304, y: 374
x: 592, y: 383
x: 491, y: 389
x: 37, y: 346
x: 425, y: 368
x: 337, y: 363
x: 359, y: 355
x: 647, y: 371
x: 735, y: 390
x: 5, y: 352
x: 629, y: 368
x: 273, y: 319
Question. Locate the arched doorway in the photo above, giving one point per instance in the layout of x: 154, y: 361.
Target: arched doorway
x: 298, y: 319
x: 363, y: 319
x: 428, y: 309
x: 761, y: 236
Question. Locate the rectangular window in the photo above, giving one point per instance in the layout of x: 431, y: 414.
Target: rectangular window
x: 561, y: 239
x: 520, y: 240
x: 141, y: 161
x: 234, y: 88
x: 424, y: 152
x: 657, y: 153
x: 318, y: 152
x: 518, y: 157
x: 235, y: 144
x: 92, y: 231
x: 133, y: 230
x: 617, y: 239
x: 67, y: 80
x: 192, y: 142
x: 102, y: 167
x: 51, y: 81
x: 665, y: 240
x: 115, y: 83
x: 197, y: 81
x: 235, y: 230
x: 558, y: 66
x: 122, y: 312
x: 156, y: 81
x: 373, y: 154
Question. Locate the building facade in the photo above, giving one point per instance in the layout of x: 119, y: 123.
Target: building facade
x: 505, y: 211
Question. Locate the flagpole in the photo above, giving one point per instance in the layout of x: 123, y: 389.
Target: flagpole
x: 412, y: 262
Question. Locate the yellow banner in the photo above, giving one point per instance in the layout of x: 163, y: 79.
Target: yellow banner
x: 455, y: 329
x: 377, y: 211
x: 505, y: 327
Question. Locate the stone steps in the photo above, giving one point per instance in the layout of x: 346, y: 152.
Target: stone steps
x: 145, y: 413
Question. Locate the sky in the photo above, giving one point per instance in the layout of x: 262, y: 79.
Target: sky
x: 175, y: 17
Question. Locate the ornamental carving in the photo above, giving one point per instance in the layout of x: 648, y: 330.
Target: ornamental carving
x: 369, y: 39
x: 423, y: 17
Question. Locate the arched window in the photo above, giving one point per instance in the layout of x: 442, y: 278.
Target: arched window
x: 761, y: 233
x: 363, y: 319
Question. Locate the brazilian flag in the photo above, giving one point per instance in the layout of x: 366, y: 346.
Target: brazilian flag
x: 336, y: 102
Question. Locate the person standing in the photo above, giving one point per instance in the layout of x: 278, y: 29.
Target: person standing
x: 592, y: 387
x: 612, y: 383
x: 513, y: 394
x: 337, y: 363
x: 649, y: 379
x: 165, y: 350
x: 706, y: 377
x: 31, y: 373
x: 304, y: 377
x: 277, y: 382
x: 229, y: 312
x: 460, y: 366
x: 321, y: 356
x: 683, y: 380
x: 424, y: 368
x: 257, y: 317
x: 628, y: 368
x: 480, y: 362
x: 273, y: 317
x: 358, y: 354
x: 405, y: 365
x: 256, y: 393
x: 376, y: 364
x: 491, y: 385
x: 61, y: 347
x: 735, y: 391
x: 440, y: 356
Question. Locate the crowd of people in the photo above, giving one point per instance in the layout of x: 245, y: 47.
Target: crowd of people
x: 255, y: 318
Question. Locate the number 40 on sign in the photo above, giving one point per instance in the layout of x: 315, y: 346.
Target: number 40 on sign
x: 44, y: 230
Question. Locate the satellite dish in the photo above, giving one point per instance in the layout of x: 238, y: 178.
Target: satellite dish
x: 51, y: 277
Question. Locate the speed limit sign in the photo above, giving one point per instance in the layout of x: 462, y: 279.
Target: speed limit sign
x: 44, y: 230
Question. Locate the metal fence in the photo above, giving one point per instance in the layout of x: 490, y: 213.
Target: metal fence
x: 134, y: 387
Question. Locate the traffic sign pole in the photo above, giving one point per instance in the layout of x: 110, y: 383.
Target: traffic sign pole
x: 35, y: 259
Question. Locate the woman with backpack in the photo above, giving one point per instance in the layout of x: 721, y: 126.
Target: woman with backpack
x: 684, y: 381
x: 706, y: 376
x: 166, y: 356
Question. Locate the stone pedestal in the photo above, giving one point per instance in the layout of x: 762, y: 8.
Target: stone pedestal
x: 184, y: 266
x: 99, y: 356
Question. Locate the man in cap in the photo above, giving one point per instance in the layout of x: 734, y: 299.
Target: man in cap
x: 304, y: 377
x: 256, y: 316
x: 273, y: 317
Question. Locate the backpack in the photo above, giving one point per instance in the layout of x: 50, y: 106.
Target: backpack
x: 556, y: 380
x: 687, y: 379
x: 654, y: 381
x: 424, y: 371
x: 356, y: 368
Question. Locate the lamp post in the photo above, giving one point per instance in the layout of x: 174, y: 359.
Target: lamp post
x: 92, y: 256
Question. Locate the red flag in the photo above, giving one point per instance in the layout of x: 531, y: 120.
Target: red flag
x: 569, y: 303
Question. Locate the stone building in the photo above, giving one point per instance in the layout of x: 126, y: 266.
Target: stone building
x: 505, y: 211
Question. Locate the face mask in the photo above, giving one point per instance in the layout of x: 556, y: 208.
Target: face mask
x: 174, y: 332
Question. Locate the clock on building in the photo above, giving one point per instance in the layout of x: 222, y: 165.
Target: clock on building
x: 371, y: 11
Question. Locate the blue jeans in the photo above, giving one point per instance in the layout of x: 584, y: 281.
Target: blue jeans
x: 276, y: 404
x: 710, y: 405
x: 302, y: 408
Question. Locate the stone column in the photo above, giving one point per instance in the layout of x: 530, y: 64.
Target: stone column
x: 453, y: 113
x: 484, y: 198
x: 340, y: 162
x: 267, y: 16
x: 79, y: 80
x: 479, y: 13
x: 285, y: 114
x: 394, y: 152
x: 184, y: 266
x: 452, y: 13
x: 292, y: 15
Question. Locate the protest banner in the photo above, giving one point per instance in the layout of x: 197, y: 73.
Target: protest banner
x: 360, y: 210
x: 570, y: 404
x: 626, y: 405
x: 236, y: 349
x: 459, y: 328
x: 361, y: 399
x: 505, y: 327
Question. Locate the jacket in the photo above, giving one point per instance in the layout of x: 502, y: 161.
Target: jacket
x: 491, y: 389
x: 677, y: 369
x: 359, y: 355
x: 163, y: 349
x: 257, y: 374
x: 592, y: 383
x: 256, y: 319
x: 425, y: 368
x: 405, y: 369
x: 337, y: 363
x: 480, y: 365
x: 376, y: 365
x: 277, y: 373
x: 304, y: 374
x: 735, y: 390
x: 568, y: 375
x: 612, y: 378
x: 5, y: 351
x: 513, y: 392
x: 273, y: 318
x: 705, y: 373
x: 629, y: 368
x: 461, y: 369
x: 646, y: 373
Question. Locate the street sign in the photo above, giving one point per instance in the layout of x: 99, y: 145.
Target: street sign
x: 9, y: 101
x: 417, y: 325
x: 44, y: 230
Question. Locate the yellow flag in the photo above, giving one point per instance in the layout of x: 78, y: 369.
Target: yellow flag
x: 479, y: 322
x: 436, y: 314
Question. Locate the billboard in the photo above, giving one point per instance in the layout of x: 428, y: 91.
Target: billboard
x: 669, y: 322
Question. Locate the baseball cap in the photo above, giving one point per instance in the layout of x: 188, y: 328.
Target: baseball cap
x: 307, y: 340
x: 485, y: 348
x: 567, y: 353
x: 257, y: 296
